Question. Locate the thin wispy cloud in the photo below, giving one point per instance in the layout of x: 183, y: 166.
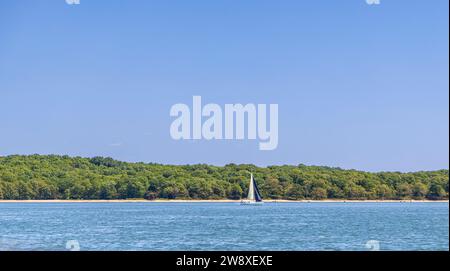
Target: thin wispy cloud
x: 116, y: 144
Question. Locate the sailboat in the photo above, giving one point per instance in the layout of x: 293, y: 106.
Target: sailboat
x: 254, y: 197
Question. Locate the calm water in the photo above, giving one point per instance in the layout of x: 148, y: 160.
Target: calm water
x: 224, y: 226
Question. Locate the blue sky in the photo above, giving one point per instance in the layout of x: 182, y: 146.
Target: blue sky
x: 358, y: 86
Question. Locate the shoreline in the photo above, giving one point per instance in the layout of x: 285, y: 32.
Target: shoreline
x: 216, y: 201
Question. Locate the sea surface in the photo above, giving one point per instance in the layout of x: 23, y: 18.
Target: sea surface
x: 224, y: 226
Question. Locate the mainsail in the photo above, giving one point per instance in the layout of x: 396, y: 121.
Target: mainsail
x: 253, y: 191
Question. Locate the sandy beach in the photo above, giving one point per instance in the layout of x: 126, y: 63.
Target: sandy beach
x: 208, y: 201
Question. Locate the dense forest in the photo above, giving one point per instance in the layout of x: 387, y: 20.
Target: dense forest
x: 63, y: 177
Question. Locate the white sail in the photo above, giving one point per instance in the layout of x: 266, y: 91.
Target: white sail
x: 251, y: 190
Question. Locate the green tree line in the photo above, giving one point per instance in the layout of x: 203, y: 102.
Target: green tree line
x: 64, y: 177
